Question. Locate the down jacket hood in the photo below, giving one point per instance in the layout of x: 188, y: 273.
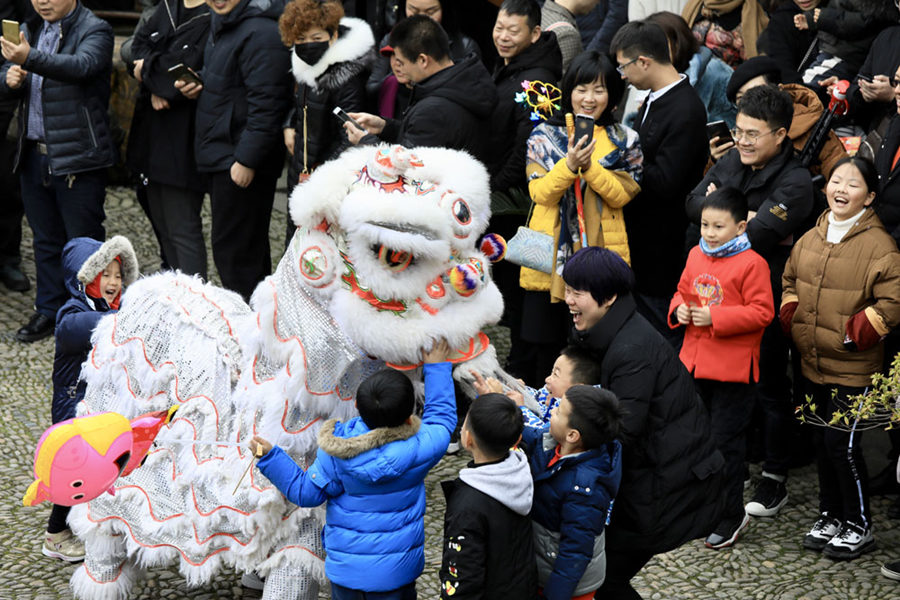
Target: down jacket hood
x: 84, y: 258
x: 508, y: 482
x: 351, y: 54
x: 271, y: 9
x: 368, y: 453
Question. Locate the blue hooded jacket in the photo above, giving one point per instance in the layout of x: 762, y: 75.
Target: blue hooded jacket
x: 572, y: 502
x: 83, y: 259
x: 374, y: 483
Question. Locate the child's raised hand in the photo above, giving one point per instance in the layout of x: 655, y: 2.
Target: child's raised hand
x: 700, y: 316
x: 439, y: 352
x: 259, y: 446
x: 516, y: 397
x: 480, y: 385
x: 486, y: 386
x: 683, y: 314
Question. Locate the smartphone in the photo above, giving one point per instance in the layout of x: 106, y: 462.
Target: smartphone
x: 720, y: 130
x: 858, y: 77
x: 343, y: 116
x: 11, y: 31
x: 584, y: 126
x: 184, y: 73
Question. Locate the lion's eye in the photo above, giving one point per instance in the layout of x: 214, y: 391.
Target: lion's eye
x: 395, y: 260
x: 461, y: 212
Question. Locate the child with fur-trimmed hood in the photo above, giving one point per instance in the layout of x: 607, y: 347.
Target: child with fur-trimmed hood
x: 95, y: 274
x: 371, y: 473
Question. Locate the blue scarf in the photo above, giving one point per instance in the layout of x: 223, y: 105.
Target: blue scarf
x: 730, y: 248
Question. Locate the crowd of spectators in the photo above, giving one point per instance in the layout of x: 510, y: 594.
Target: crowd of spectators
x: 736, y: 112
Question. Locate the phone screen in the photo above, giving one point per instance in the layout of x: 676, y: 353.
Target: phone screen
x: 11, y: 31
x: 183, y: 73
x: 720, y: 130
x: 584, y: 126
x: 343, y: 116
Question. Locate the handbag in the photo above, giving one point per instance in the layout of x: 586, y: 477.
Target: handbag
x: 531, y: 249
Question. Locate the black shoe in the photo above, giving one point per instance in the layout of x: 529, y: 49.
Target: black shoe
x: 14, y: 279
x: 769, y: 497
x: 726, y: 533
x: 891, y: 570
x: 38, y: 327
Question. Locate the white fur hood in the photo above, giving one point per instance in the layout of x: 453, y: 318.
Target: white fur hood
x: 355, y: 45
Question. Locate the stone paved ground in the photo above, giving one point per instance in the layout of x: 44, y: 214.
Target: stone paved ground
x: 767, y: 563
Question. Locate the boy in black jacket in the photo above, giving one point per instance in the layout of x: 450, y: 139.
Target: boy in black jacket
x: 488, y: 546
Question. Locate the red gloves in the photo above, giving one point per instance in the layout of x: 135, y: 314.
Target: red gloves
x: 859, y: 333
x: 786, y: 315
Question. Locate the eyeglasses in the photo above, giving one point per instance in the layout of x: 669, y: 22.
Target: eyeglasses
x: 750, y: 136
x: 621, y: 68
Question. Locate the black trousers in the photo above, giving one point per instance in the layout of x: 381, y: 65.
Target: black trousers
x: 11, y: 208
x: 730, y: 407
x: 621, y: 567
x: 843, y: 477
x: 240, y: 230
x: 775, y: 399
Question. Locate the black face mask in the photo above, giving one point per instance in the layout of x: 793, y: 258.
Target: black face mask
x: 311, y: 52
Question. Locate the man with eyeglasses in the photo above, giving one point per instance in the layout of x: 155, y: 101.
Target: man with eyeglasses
x: 672, y: 127
x: 762, y: 70
x: 779, y: 194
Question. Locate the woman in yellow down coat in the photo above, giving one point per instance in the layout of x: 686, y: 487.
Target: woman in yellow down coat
x: 610, y: 166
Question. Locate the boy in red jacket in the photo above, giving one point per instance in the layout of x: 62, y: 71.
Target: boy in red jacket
x: 724, y: 299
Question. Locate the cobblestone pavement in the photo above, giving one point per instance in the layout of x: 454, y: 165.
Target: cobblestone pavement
x: 768, y: 562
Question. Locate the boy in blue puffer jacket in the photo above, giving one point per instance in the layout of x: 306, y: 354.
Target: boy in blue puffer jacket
x: 576, y: 463
x: 95, y: 274
x: 371, y: 471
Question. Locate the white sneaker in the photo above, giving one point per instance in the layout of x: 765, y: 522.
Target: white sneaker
x: 63, y: 545
x: 453, y: 448
x: 826, y: 527
x: 253, y: 581
x: 850, y: 542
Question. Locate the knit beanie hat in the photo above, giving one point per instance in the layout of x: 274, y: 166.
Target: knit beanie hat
x: 749, y: 69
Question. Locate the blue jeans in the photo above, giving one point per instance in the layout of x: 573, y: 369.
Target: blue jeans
x: 407, y: 592
x: 59, y: 208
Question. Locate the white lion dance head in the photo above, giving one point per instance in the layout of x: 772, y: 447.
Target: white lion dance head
x: 383, y: 263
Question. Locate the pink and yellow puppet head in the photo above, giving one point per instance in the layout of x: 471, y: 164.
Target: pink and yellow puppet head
x: 77, y: 460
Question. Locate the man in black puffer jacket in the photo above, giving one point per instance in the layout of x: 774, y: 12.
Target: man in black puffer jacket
x: 60, y: 70
x: 450, y: 105
x: 241, y: 107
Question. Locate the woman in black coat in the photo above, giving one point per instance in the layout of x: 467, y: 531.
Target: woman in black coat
x: 331, y: 59
x: 672, y: 471
x: 161, y: 144
x: 241, y: 107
